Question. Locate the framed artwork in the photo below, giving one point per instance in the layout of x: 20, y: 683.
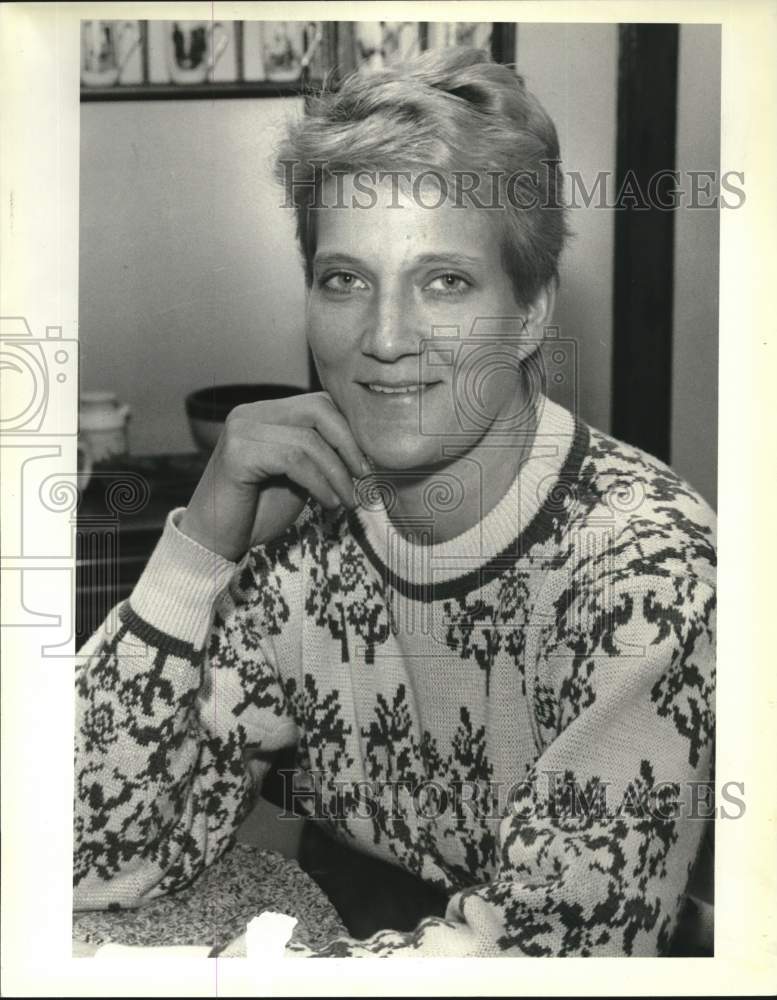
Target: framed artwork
x: 157, y: 60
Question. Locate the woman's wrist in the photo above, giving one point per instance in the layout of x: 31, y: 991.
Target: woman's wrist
x: 202, y: 534
x: 180, y: 584
x: 187, y: 524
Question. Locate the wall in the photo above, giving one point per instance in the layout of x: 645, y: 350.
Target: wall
x: 694, y: 430
x: 188, y: 271
x: 572, y: 69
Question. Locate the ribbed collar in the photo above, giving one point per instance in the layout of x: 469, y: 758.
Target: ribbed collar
x: 557, y: 450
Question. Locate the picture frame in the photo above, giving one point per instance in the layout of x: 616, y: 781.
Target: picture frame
x: 171, y: 60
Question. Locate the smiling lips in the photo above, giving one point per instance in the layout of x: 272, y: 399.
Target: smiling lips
x: 398, y: 388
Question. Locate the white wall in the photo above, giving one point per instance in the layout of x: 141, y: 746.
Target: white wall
x: 694, y: 439
x: 572, y: 69
x: 188, y: 270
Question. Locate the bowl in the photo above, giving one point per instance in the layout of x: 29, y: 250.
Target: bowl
x: 208, y: 408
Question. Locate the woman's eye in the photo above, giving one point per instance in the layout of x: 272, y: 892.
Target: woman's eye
x: 343, y: 282
x: 449, y: 284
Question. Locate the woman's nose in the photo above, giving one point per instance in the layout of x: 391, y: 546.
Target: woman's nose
x: 392, y: 330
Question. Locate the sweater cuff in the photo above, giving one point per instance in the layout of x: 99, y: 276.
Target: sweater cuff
x: 180, y: 585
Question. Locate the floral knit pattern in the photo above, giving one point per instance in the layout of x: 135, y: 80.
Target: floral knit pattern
x: 522, y: 734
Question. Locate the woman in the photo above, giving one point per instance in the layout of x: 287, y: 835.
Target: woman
x: 487, y: 627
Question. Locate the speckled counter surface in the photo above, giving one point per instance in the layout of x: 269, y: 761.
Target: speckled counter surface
x: 219, y: 905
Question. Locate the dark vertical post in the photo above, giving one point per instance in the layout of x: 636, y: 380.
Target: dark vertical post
x: 144, y: 48
x: 503, y: 40
x: 644, y: 236
x: 239, y: 50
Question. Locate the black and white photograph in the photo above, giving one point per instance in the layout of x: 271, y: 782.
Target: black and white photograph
x: 389, y: 491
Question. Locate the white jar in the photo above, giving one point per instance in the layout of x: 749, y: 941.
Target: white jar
x: 102, y: 425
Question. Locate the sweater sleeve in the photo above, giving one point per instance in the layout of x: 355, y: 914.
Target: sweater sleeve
x: 596, y: 845
x: 162, y: 780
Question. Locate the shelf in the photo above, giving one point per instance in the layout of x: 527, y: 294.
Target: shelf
x: 334, y: 54
x: 196, y: 91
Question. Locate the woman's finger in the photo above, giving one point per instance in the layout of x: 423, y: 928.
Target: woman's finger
x: 330, y: 423
x: 280, y: 448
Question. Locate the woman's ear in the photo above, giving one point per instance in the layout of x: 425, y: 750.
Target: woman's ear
x: 537, y: 317
x: 540, y: 312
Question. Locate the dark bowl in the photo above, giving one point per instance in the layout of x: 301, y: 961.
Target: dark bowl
x: 207, y: 409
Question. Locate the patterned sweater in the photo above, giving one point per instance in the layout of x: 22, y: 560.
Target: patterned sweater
x: 516, y: 715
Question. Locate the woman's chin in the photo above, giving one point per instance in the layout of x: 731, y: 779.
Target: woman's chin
x: 396, y: 455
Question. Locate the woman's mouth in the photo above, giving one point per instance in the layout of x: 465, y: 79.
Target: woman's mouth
x: 397, y: 388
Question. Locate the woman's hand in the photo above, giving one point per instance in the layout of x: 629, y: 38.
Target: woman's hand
x: 269, y: 458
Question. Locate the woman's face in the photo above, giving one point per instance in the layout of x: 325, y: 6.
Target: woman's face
x: 407, y: 297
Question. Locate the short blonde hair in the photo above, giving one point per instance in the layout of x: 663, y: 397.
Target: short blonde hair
x: 453, y: 112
